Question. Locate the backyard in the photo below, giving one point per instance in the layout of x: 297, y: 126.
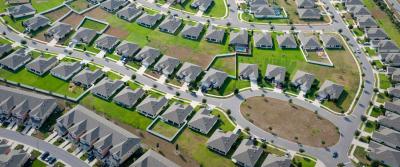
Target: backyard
x: 79, y: 5
x: 94, y: 25
x: 56, y: 14
x: 226, y: 64
x: 164, y: 129
x: 44, y: 5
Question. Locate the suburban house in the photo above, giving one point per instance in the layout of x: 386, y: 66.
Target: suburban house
x: 394, y: 91
x: 113, y: 5
x: 130, y: 12
x: 276, y: 161
x: 170, y: 24
x: 42, y: 65
x: 309, y: 14
x: 392, y: 59
x: 95, y: 1
x: 331, y: 41
x: 305, y: 4
x: 127, y: 50
x: 303, y: 80
x: 95, y: 135
x: 177, y: 114
x: 286, y: 41
x: 25, y: 108
x: 149, y: 21
x: 152, y: 106
x: 248, y: 71
x: 35, y: 23
x: 84, y: 35
x: 12, y: 157
x: 309, y: 42
x: 16, y: 60
x: 147, y: 56
x: 5, y: 49
x: 107, y: 88
x: 329, y: 90
x: 107, y: 42
x: 152, y: 159
x: 387, y: 137
x: 192, y: 31
x: 16, y: 2
x: 393, y: 106
x: 65, y: 70
x: 240, y: 41
x: 388, y: 46
x: 265, y: 12
x: 176, y: 1
x: 275, y: 74
x: 59, y: 31
x: 203, y: 121
x: 202, y: 5
x: 383, y: 154
x: 86, y: 78
x: 263, y: 40
x: 213, y: 79
x: 390, y: 120
x: 350, y: 3
x: 375, y: 34
x: 358, y: 11
x: 189, y: 72
x: 20, y: 11
x: 395, y: 78
x: 247, y: 154
x: 166, y: 65
x: 366, y: 22
x: 221, y: 142
x: 128, y: 97
x: 215, y: 34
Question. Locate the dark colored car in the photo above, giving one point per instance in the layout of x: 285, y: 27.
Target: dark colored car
x: 44, y: 155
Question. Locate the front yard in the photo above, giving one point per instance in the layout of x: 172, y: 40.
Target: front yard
x: 384, y: 81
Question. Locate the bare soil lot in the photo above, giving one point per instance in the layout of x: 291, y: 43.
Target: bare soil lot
x: 56, y: 14
x: 97, y: 13
x: 290, y: 121
x: 73, y: 19
x: 120, y: 33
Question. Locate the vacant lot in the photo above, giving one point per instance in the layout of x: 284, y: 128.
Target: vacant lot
x: 73, y: 19
x: 44, y: 5
x: 290, y: 121
x: 56, y: 14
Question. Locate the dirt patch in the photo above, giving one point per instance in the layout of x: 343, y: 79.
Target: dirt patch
x: 98, y: 13
x: 290, y: 121
x: 73, y: 19
x: 57, y: 14
x: 120, y: 33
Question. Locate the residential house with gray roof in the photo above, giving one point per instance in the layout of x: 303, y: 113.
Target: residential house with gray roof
x: 59, y: 31
x: 16, y: 60
x: 189, y: 72
x: 203, y: 121
x: 12, y: 157
x: 383, y: 154
x: 248, y: 71
x: 86, y: 78
x: 388, y: 137
x: 128, y: 97
x: 152, y: 159
x: 127, y: 50
x: 147, y: 56
x: 65, y: 70
x: 309, y: 14
x: 263, y: 40
x: 388, y: 46
x: 366, y: 22
x: 331, y: 41
x: 358, y: 11
x: 375, y: 34
x: 275, y: 74
x: 84, y: 36
x: 265, y: 12
x: 192, y: 31
x: 239, y: 40
x: 95, y: 1
x: 286, y: 41
x: 177, y: 114
x: 152, y: 106
x: 166, y: 65
x: 130, y: 12
x: 148, y: 20
x: 394, y: 91
x: 42, y: 65
x: 170, y: 24
x: 395, y: 77
x: 17, y: 2
x: 390, y: 120
x: 106, y: 141
x: 276, y: 161
x: 309, y: 42
x: 5, y: 49
x: 202, y: 5
x: 222, y: 142
x: 21, y: 11
x: 350, y: 3
x: 213, y: 79
x: 393, y: 106
x: 305, y: 3
x: 35, y: 23
x: 114, y: 5
x: 303, y: 80
x: 107, y: 88
x: 107, y: 42
x: 247, y: 154
x: 391, y: 59
x: 25, y: 108
x: 329, y: 90
x: 215, y: 34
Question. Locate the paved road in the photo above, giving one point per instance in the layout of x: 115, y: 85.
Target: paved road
x: 44, y: 146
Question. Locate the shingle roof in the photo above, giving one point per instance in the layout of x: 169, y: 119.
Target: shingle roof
x: 359, y: 11
x: 247, y: 153
x: 127, y: 49
x: 129, y: 97
x: 222, y: 141
x: 393, y: 59
x: 366, y: 21
x: 87, y: 76
x: 177, y: 113
x: 214, y: 77
x: 388, y: 46
x: 393, y: 106
x: 275, y: 161
x: 130, y: 12
x: 275, y: 72
x: 330, y: 40
x: 107, y: 41
x: 384, y: 154
x: 153, y: 159
x: 42, y: 64
x: 113, y: 4
x: 309, y: 41
x: 201, y: 4
x: 21, y: 9
x: 264, y: 11
x: 353, y: 2
x: 148, y: 19
x: 65, y: 69
x: 16, y: 59
x: 376, y: 33
x: 152, y: 105
x: 215, y: 33
x: 59, y: 30
x: 388, y: 136
x: 148, y: 55
x: 189, y: 72
x: 263, y: 39
x: 305, y: 3
x: 171, y: 24
x: 390, y: 120
x: 203, y: 120
x: 331, y: 89
x: 107, y: 87
x: 167, y: 64
x: 85, y: 35
x: 5, y: 48
x: 193, y: 30
x: 35, y: 22
x: 286, y: 40
x: 309, y: 13
x: 303, y: 79
x: 248, y: 71
x: 394, y: 91
x: 239, y: 38
x: 13, y: 158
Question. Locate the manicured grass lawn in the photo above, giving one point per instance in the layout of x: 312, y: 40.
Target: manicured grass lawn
x: 113, y: 76
x: 371, y: 52
x: 84, y: 157
x: 113, y: 56
x: 217, y: 9
x: 361, y: 154
x: 58, y: 141
x: 94, y: 25
x: 38, y: 163
x: 89, y: 48
x: 378, y: 64
x: 16, y: 24
x: 47, y: 82
x: 115, y: 112
x: 250, y: 18
x: 358, y: 32
x: 273, y: 150
x: 4, y: 41
x: 224, y: 124
x: 376, y: 112
x: 384, y: 81
x: 305, y: 162
x: 185, y: 6
x: 229, y: 86
x: 43, y: 5
x: 370, y: 126
x: 164, y: 129
x: 340, y: 6
x: 3, y: 6
x: 381, y: 98
x: 225, y: 64
x: 79, y: 5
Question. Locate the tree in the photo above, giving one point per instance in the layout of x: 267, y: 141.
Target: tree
x: 133, y: 77
x: 228, y: 111
x: 247, y: 129
x: 363, y: 118
x: 236, y: 91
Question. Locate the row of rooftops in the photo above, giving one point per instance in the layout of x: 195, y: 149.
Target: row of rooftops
x: 12, y: 157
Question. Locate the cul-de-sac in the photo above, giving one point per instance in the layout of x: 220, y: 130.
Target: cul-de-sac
x: 200, y: 83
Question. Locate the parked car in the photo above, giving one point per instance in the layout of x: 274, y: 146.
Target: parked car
x: 52, y: 160
x: 44, y: 155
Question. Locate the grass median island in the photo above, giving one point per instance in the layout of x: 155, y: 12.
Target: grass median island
x: 290, y: 121
x: 94, y: 25
x: 44, y: 5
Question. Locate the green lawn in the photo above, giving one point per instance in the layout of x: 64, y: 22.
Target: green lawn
x: 358, y: 32
x: 79, y: 5
x: 115, y: 112
x: 250, y: 18
x: 185, y: 6
x: 378, y: 64
x: 43, y: 5
x: 3, y: 6
x: 229, y: 86
x: 113, y: 76
x: 217, y: 9
x: 164, y: 129
x: 313, y: 56
x: 16, y: 24
x: 376, y: 112
x: 370, y: 126
x: 89, y: 48
x: 361, y: 154
x: 38, y: 163
x: 371, y: 52
x: 381, y: 98
x: 58, y: 142
x: 272, y: 150
x: 303, y: 161
x: 384, y: 81
x: 224, y: 124
x: 94, y: 25
x: 225, y: 64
